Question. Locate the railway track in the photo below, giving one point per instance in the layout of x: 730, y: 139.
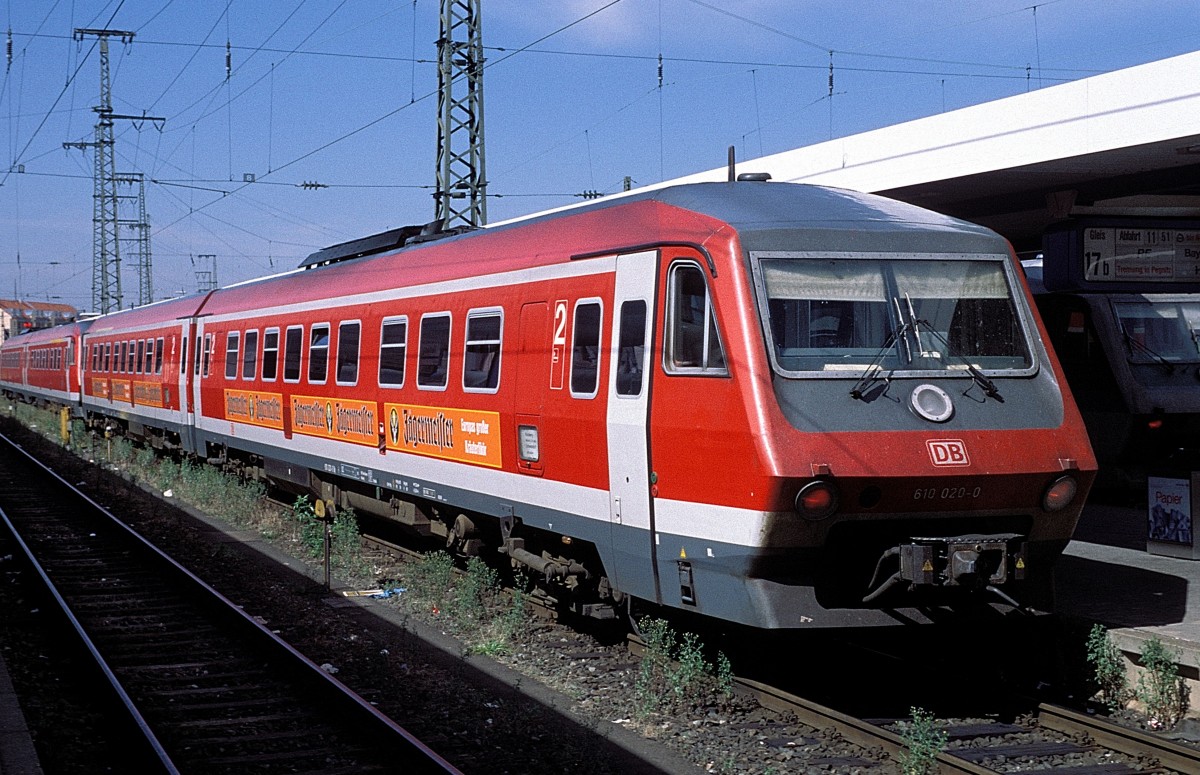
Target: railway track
x: 811, y: 735
x: 203, y: 686
x: 1053, y: 739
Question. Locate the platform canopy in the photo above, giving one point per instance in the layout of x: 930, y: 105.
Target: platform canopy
x: 1125, y: 142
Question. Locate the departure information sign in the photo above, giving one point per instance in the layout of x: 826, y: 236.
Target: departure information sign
x: 1133, y: 255
x: 1123, y: 255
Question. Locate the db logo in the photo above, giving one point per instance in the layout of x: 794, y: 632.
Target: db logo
x: 948, y: 452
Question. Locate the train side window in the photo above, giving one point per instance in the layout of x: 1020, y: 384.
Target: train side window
x: 631, y: 348
x: 270, y: 354
x: 158, y: 355
x: 250, y: 355
x: 291, y: 353
x: 693, y: 343
x: 95, y: 357
x: 137, y: 351
x: 148, y: 361
x: 199, y: 349
x: 393, y: 344
x: 121, y: 359
x: 433, y: 352
x: 108, y: 356
x: 347, y: 353
x: 318, y: 353
x: 131, y: 361
x: 585, y: 349
x: 231, y: 354
x: 208, y: 348
x: 481, y: 353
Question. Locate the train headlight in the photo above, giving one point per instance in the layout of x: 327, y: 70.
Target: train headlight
x: 1060, y: 493
x: 817, y: 500
x: 932, y: 403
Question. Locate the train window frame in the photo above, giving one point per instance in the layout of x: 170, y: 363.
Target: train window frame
x: 138, y: 348
x: 233, y: 341
x: 270, y: 356
x: 442, y: 342
x: 121, y: 347
x: 159, y: 344
x: 577, y: 367
x: 341, y: 361
x: 954, y: 366
x: 107, y: 358
x: 711, y: 346
x: 209, y: 341
x: 290, y: 342
x: 323, y: 348
x: 385, y: 346
x: 249, y: 354
x: 630, y: 378
x: 131, y: 362
x: 482, y: 346
x: 97, y: 352
x: 148, y: 359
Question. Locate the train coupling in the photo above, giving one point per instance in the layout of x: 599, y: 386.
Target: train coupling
x: 968, y: 561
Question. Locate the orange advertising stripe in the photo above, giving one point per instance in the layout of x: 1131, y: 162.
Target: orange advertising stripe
x: 121, y: 390
x: 250, y: 406
x: 340, y: 419
x: 100, y: 387
x: 147, y: 393
x: 465, y: 435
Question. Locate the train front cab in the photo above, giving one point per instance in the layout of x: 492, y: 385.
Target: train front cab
x: 1135, y: 362
x: 902, y: 449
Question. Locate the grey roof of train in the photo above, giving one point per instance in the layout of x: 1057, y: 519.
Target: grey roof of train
x: 762, y: 211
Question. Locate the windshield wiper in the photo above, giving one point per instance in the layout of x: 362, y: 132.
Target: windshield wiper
x: 1136, y: 345
x: 873, y: 368
x: 989, y: 387
x: 908, y: 353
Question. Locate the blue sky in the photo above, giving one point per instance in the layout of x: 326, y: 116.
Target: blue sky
x: 342, y: 93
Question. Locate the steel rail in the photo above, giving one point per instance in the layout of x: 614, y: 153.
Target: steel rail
x: 1129, y: 741
x: 249, y: 627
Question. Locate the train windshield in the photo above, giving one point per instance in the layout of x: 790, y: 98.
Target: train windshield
x: 1160, y: 330
x: 837, y: 316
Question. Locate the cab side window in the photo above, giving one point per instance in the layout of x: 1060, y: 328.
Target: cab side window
x: 693, y: 342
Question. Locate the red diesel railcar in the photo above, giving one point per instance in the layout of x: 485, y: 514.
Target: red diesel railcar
x: 779, y: 405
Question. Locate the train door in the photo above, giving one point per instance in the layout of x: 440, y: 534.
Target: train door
x: 531, y: 385
x: 631, y: 511
x: 189, y: 383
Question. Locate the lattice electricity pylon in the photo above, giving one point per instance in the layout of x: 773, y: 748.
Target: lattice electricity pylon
x: 139, y: 240
x: 461, y: 194
x: 206, y: 279
x: 106, y: 250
